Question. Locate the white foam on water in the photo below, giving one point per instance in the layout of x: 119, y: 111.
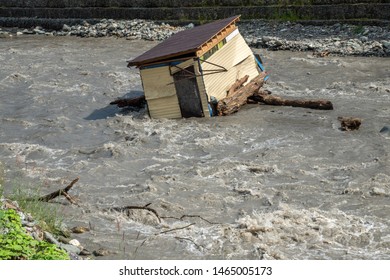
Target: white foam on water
x: 309, y: 230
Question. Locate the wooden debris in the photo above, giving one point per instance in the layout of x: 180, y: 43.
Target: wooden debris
x: 252, y: 92
x: 191, y: 216
x: 63, y: 192
x: 146, y: 207
x: 321, y: 54
x: 134, y: 102
x: 174, y: 229
x: 235, y: 100
x: 349, y: 123
x: 79, y: 229
x: 268, y: 99
x: 237, y: 85
x: 200, y: 247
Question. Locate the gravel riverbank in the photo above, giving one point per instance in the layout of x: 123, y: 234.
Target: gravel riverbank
x: 338, y: 39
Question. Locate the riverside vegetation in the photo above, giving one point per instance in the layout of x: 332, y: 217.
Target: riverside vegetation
x: 16, y: 244
x: 19, y: 232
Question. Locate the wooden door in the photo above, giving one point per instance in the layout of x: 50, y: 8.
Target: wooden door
x: 188, y: 93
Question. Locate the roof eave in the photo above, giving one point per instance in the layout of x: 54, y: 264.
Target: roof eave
x: 191, y: 53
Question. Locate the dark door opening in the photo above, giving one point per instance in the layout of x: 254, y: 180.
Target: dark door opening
x: 188, y: 93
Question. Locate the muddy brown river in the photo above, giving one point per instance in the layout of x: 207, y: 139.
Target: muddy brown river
x: 265, y: 183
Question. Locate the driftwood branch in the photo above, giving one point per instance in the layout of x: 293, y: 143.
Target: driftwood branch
x: 135, y: 102
x: 197, y: 216
x: 146, y: 207
x: 192, y: 216
x: 174, y: 229
x: 63, y: 192
x: 190, y: 240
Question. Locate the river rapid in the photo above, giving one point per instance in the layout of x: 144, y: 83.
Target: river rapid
x: 265, y: 183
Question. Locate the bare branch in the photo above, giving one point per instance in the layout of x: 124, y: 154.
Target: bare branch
x: 174, y: 229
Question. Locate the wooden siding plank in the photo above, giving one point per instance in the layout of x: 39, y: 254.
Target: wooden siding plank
x: 166, y: 107
x: 183, y: 65
x: 157, y: 82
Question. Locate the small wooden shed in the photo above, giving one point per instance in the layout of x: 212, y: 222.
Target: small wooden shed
x: 183, y: 74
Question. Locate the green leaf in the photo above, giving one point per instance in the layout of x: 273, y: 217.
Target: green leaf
x: 17, y: 247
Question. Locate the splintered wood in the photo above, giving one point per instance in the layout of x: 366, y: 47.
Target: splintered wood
x: 233, y: 102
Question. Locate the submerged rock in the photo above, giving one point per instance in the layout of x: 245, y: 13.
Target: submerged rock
x: 385, y: 131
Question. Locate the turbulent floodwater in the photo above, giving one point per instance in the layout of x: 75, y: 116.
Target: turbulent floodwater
x: 267, y: 182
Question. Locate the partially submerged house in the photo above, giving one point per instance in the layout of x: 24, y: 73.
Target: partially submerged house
x: 182, y: 75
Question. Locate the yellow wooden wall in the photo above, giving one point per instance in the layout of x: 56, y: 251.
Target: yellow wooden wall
x: 159, y: 88
x: 237, y: 58
x: 160, y: 93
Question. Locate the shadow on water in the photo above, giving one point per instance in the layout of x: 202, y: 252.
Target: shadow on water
x: 113, y: 110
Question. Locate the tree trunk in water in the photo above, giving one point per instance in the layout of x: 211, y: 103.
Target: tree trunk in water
x: 265, y: 98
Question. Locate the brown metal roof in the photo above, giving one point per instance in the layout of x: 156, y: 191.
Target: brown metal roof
x: 184, y: 42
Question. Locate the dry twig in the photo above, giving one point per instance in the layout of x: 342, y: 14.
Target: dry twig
x: 174, y: 229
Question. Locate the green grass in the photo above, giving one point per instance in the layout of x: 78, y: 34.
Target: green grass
x: 46, y: 214
x: 1, y: 178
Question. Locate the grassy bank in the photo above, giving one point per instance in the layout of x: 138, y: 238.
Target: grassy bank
x: 15, y: 242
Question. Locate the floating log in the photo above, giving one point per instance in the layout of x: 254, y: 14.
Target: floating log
x: 235, y: 100
x: 252, y: 92
x: 349, y: 123
x: 134, y: 102
x: 268, y: 99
